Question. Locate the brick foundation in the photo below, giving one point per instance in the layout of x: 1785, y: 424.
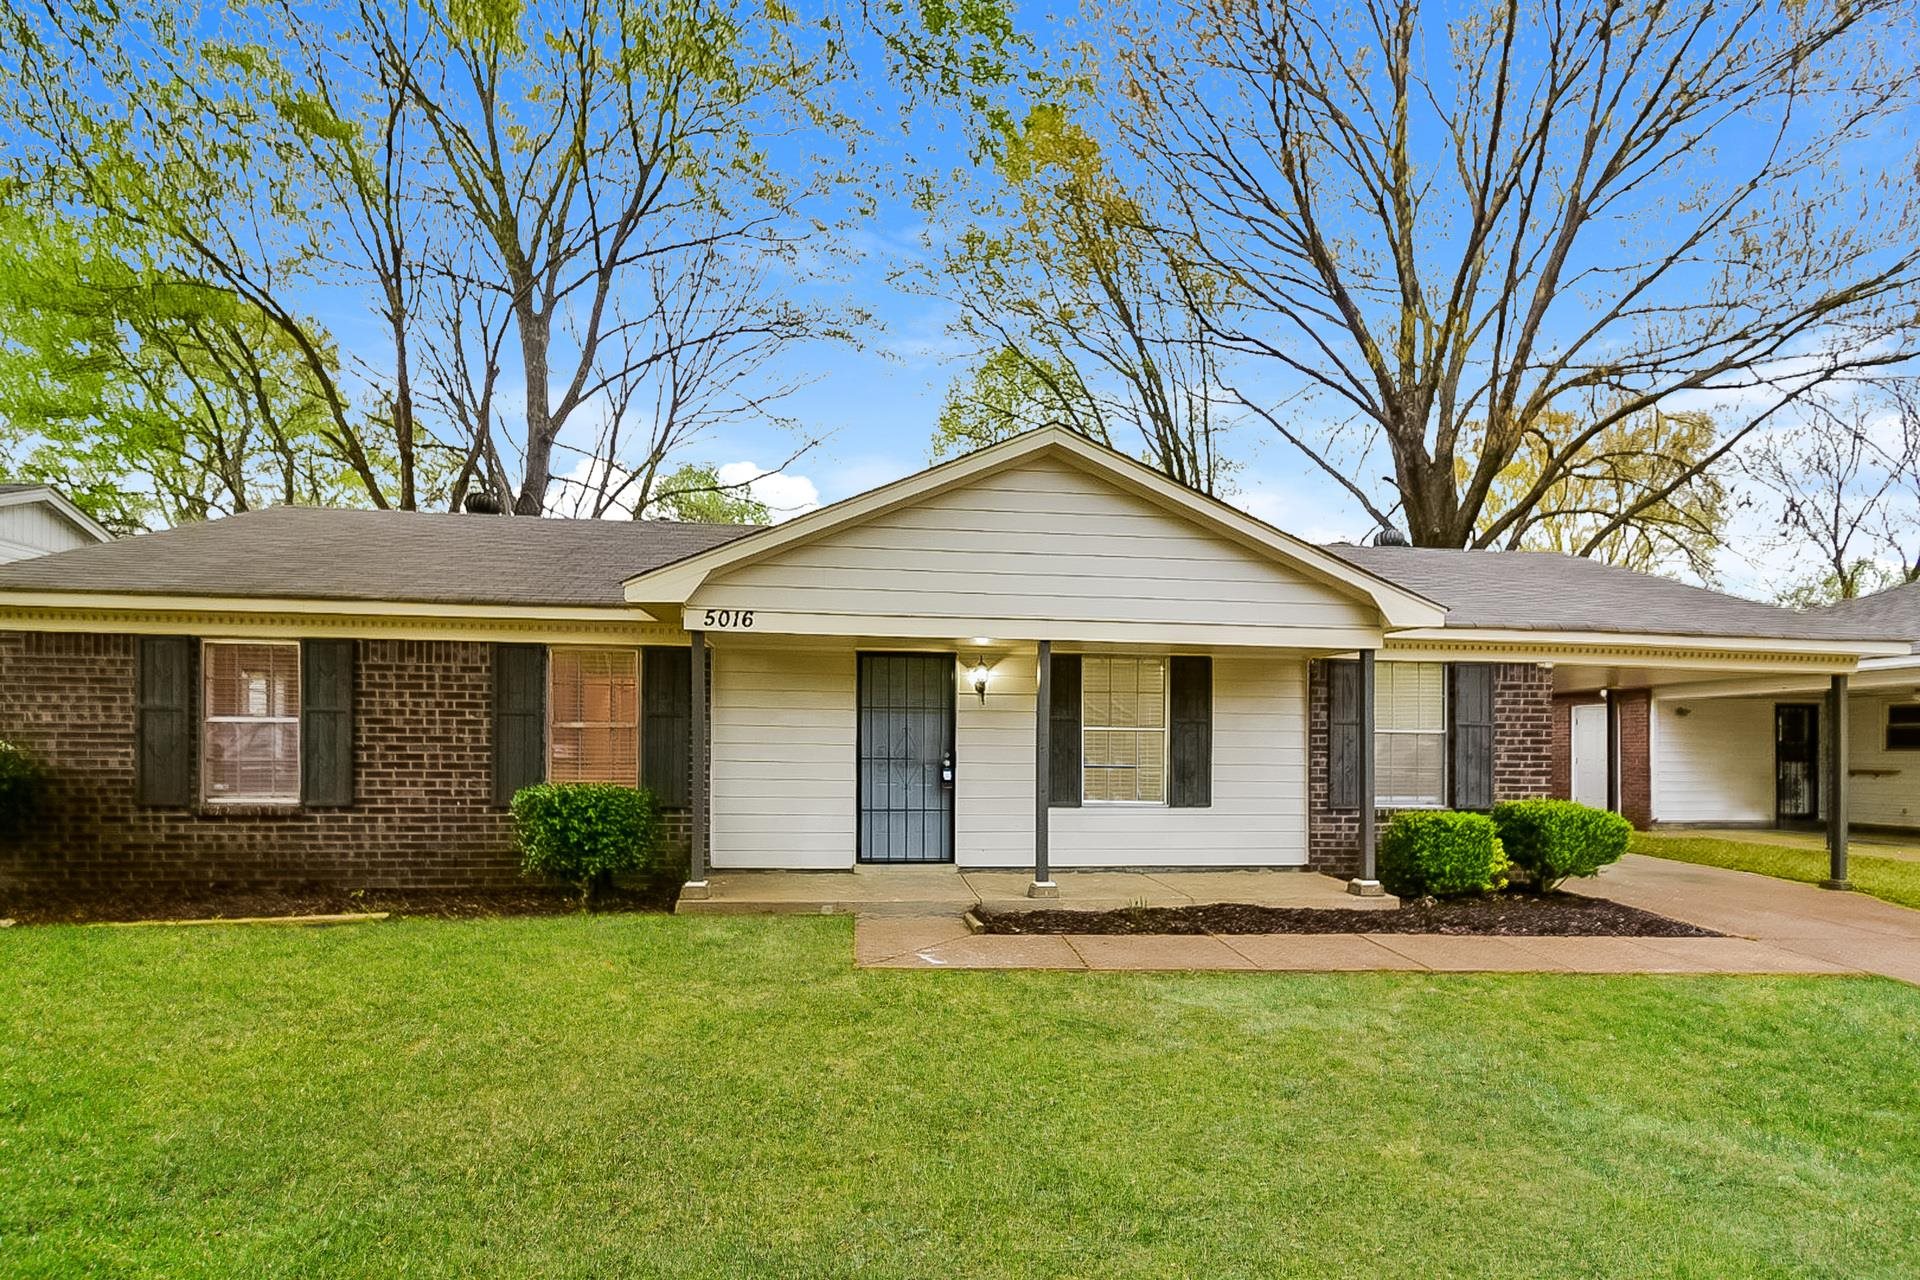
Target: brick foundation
x: 1524, y: 717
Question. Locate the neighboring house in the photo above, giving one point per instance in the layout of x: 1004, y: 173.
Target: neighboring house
x: 1756, y: 751
x: 36, y: 520
x: 1040, y: 655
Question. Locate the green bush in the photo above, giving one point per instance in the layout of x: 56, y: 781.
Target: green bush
x: 1553, y: 839
x: 586, y: 833
x: 1441, y: 854
x: 21, y: 782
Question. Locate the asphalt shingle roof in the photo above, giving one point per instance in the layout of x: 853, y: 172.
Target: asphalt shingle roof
x: 1541, y: 591
x: 1895, y: 611
x: 321, y: 554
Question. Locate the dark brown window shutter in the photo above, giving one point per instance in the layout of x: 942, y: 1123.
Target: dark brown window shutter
x: 1343, y: 734
x: 1190, y: 732
x: 164, y: 715
x: 1470, y: 734
x: 519, y: 718
x: 326, y: 722
x: 1063, y: 733
x: 666, y: 721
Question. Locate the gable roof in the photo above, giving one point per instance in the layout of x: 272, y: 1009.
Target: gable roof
x: 1399, y: 605
x: 1543, y: 591
x: 46, y: 494
x: 315, y: 553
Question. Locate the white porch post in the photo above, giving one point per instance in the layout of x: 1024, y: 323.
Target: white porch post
x: 1367, y: 883
x: 1837, y: 825
x: 697, y: 739
x: 1043, y: 885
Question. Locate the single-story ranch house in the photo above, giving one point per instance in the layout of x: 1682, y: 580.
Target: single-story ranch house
x: 1040, y: 655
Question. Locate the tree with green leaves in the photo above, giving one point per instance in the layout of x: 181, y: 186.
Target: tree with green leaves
x: 1083, y: 311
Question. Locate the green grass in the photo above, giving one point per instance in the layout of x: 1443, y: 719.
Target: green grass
x: 1894, y: 879
x: 648, y: 1095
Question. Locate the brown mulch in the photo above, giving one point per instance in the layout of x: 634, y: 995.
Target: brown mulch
x: 1550, y: 915
x: 234, y: 904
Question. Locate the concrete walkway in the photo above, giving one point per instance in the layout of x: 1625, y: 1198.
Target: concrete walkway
x: 1776, y: 926
x: 947, y: 891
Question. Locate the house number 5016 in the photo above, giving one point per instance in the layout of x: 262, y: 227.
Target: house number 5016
x: 718, y: 619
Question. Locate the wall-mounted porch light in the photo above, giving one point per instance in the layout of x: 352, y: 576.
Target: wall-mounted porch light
x: 977, y: 677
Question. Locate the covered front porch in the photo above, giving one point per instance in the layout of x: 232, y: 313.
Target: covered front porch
x: 950, y: 891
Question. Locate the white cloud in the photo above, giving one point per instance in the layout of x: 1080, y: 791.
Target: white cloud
x: 785, y: 493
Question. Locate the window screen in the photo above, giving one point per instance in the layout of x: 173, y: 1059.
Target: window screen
x: 250, y: 748
x: 594, y: 716
x: 1123, y: 713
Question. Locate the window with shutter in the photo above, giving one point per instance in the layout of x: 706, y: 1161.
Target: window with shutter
x: 1123, y: 714
x: 593, y: 708
x: 1410, y: 734
x: 250, y: 735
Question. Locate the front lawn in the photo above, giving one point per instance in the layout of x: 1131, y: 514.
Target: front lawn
x: 1895, y: 879
x: 652, y: 1095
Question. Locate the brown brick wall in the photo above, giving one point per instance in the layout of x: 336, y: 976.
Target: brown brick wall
x: 1523, y: 757
x: 423, y: 816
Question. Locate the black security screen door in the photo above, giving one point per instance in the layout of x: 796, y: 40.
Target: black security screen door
x: 1796, y: 761
x: 906, y: 757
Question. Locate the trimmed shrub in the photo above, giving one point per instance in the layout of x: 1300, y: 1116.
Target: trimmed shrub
x: 1552, y: 840
x: 586, y: 833
x: 1441, y: 854
x: 21, y: 782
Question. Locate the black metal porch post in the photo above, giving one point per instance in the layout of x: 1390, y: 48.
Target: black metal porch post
x: 1613, y: 748
x: 1043, y: 885
x: 1837, y: 825
x: 696, y: 886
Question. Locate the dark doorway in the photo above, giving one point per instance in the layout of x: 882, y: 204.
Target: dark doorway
x: 906, y: 757
x: 1796, y: 762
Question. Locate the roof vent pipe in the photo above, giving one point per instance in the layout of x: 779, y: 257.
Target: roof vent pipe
x: 479, y: 502
x: 1388, y: 536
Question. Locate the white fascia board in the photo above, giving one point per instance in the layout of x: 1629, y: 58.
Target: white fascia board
x: 60, y: 503
x: 1573, y: 644
x: 1399, y: 608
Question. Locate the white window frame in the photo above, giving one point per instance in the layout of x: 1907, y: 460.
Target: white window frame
x: 208, y: 720
x: 639, y: 715
x: 1166, y: 743
x: 1406, y: 802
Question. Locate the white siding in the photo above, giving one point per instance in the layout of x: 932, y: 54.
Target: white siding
x: 1039, y: 543
x: 783, y: 758
x: 1885, y: 786
x: 1259, y: 811
x: 1714, y: 764
x: 784, y: 791
x: 35, y: 529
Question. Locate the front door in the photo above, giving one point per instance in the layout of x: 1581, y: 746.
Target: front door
x: 906, y: 757
x: 1796, y: 761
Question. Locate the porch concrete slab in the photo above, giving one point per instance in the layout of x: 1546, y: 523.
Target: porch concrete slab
x: 1450, y: 953
x: 877, y: 938
x: 1315, y: 952
x: 1079, y: 890
x: 1267, y: 888
x: 1156, y: 951
x: 986, y: 951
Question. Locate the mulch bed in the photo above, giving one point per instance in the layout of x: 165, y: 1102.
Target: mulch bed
x: 220, y: 904
x: 1550, y: 915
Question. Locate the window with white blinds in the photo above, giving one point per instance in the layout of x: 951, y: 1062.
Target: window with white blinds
x: 1123, y: 710
x: 250, y: 743
x: 593, y: 726
x: 1410, y: 734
